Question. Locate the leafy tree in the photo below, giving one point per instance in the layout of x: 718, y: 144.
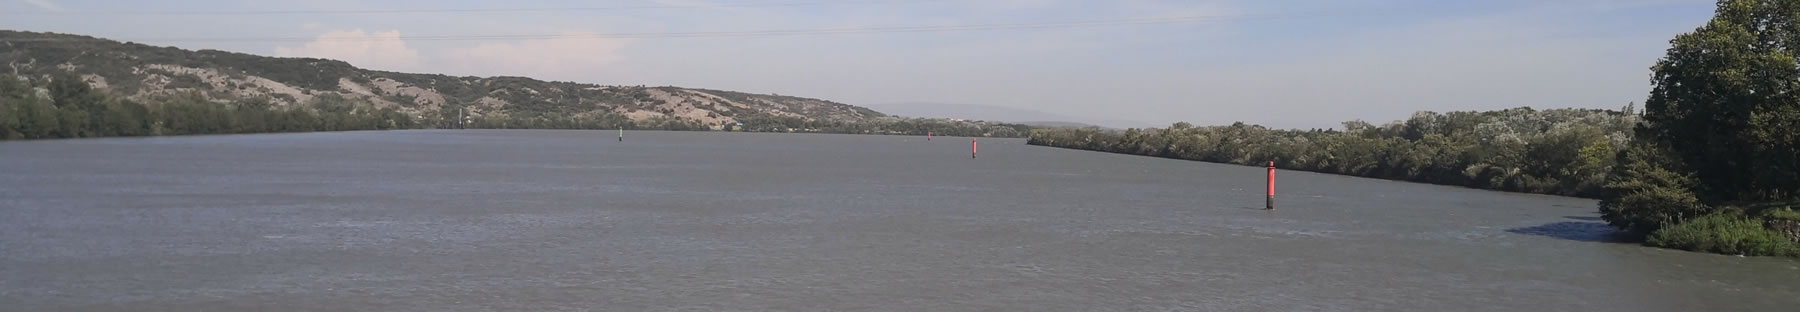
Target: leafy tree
x: 13, y: 95
x: 1726, y: 103
x: 1717, y: 133
x: 38, y: 119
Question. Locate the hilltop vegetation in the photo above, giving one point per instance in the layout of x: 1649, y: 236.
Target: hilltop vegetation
x: 1556, y: 151
x: 171, y: 82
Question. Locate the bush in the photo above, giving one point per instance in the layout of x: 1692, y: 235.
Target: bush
x: 1726, y: 232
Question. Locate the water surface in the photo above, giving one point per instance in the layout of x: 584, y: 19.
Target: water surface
x: 449, y: 220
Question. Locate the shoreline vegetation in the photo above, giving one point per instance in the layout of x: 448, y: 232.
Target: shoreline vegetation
x: 1558, y: 151
x: 64, y: 106
x: 70, y: 108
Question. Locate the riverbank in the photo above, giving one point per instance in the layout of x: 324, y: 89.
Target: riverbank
x: 1555, y: 151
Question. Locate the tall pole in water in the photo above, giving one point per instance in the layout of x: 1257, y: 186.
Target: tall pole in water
x: 1271, y: 202
x: 973, y: 147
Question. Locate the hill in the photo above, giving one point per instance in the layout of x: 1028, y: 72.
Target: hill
x: 137, y: 71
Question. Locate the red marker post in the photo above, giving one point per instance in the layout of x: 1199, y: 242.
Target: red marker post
x: 973, y: 147
x: 1271, y: 202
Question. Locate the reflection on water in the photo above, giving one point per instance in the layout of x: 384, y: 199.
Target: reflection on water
x: 1577, y: 231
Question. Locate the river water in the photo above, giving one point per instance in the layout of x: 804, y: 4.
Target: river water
x: 449, y: 220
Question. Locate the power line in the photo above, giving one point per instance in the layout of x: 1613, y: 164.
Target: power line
x: 702, y: 34
x: 473, y: 10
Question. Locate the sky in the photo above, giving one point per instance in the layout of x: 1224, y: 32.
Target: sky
x: 1280, y: 63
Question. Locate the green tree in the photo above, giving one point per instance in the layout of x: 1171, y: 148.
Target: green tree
x: 125, y: 118
x: 38, y: 119
x: 13, y: 94
x: 1725, y: 101
x: 1718, y: 133
x: 1650, y: 189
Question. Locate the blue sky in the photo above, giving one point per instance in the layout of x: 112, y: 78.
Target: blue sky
x: 1283, y: 63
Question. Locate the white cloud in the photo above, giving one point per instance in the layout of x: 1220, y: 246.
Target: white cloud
x: 378, y: 50
x: 45, y: 4
x: 570, y: 56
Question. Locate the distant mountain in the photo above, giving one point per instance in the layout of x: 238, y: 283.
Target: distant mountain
x: 138, y: 71
x: 996, y: 113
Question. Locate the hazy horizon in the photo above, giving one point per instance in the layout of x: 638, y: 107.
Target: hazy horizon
x: 1285, y: 64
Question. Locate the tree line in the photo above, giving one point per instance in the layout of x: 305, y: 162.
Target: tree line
x: 64, y: 106
x: 1556, y: 151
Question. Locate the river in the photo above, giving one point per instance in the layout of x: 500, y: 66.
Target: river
x: 474, y: 220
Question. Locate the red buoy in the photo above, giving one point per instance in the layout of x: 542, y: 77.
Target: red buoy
x: 1271, y: 202
x: 973, y: 147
